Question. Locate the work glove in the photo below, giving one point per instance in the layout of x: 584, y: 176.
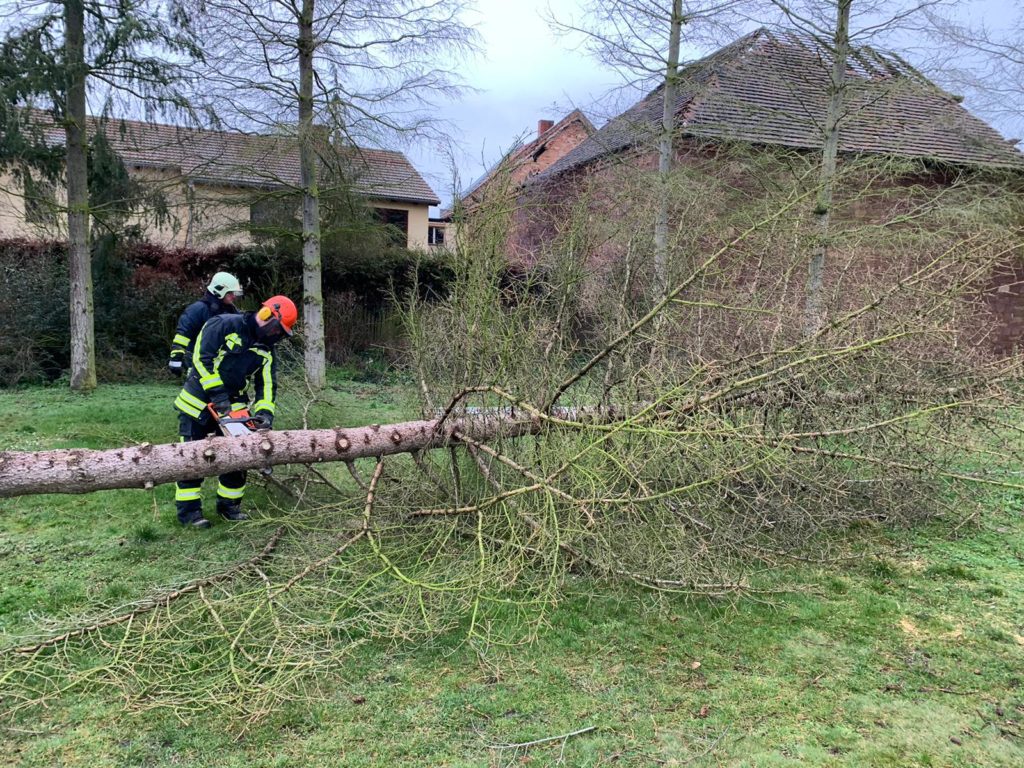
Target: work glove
x: 175, y: 366
x: 263, y: 420
x: 222, y: 405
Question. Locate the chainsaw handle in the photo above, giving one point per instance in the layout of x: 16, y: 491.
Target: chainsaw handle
x: 243, y: 416
x: 213, y: 412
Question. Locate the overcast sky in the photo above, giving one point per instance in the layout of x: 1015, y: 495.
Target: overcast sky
x: 525, y: 73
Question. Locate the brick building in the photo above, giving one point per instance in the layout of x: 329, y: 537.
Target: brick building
x: 552, y: 142
x: 762, y: 100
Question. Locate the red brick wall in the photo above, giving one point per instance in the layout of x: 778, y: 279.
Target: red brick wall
x: 859, y: 268
x: 537, y: 156
x: 1004, y: 298
x: 564, y: 141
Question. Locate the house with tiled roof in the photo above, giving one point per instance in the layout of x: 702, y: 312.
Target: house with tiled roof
x: 216, y: 183
x: 769, y: 90
x: 749, y: 131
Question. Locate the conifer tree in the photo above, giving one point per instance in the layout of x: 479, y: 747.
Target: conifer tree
x: 57, y: 59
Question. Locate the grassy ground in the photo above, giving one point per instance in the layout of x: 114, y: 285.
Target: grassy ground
x: 913, y: 656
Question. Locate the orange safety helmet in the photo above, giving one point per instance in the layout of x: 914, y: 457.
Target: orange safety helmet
x: 283, y: 309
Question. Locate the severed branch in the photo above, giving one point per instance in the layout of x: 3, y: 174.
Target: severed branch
x: 351, y: 467
x: 324, y: 479
x: 426, y: 471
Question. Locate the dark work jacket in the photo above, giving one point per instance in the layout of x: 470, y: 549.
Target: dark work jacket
x: 191, y: 322
x: 227, y: 357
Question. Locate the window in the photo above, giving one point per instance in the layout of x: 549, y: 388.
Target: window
x: 40, y: 201
x: 435, y: 235
x: 397, y: 221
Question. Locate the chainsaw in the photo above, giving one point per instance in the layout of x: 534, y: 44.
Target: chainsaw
x: 236, y: 424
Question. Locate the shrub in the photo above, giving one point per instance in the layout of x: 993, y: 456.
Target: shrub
x: 33, y: 311
x: 141, y: 288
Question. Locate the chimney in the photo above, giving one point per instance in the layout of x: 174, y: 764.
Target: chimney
x: 543, y: 125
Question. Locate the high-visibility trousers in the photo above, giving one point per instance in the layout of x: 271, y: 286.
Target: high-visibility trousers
x: 188, y: 493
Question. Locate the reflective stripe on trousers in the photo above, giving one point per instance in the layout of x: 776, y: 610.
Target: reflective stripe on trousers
x: 188, y: 493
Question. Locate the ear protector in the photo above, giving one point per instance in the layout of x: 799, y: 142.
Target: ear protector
x: 265, y: 313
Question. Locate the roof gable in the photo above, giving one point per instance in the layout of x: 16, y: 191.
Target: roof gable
x: 523, y: 154
x: 533, y: 148
x: 772, y: 88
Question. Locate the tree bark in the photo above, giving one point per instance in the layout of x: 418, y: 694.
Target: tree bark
x: 814, y: 308
x: 83, y: 351
x: 312, y: 288
x: 665, y: 150
x: 83, y: 471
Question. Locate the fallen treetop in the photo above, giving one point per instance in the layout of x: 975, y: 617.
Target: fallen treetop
x: 144, y: 466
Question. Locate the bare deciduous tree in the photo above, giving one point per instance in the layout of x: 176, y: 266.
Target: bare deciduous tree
x: 332, y: 74
x: 982, y: 59
x: 830, y: 23
x: 642, y: 40
x: 814, y: 307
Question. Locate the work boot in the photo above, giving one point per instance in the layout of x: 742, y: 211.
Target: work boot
x: 196, y: 521
x: 231, y: 510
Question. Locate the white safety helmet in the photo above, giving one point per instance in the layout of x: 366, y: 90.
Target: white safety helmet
x: 224, y: 283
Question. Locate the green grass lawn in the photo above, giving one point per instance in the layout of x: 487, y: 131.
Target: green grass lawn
x: 911, y: 656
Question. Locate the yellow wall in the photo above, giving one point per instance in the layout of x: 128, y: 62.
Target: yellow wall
x: 220, y: 216
x: 202, y: 216
x: 419, y: 217
x: 12, y: 209
x: 12, y: 214
x: 168, y: 183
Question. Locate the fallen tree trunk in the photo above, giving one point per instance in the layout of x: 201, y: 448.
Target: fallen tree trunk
x: 83, y: 471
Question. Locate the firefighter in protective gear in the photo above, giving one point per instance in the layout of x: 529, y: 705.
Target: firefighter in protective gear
x: 219, y: 299
x: 230, y: 352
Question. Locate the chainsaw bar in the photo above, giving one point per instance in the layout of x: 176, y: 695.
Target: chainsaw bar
x: 231, y: 428
x: 237, y: 424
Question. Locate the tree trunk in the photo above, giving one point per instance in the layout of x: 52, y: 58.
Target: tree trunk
x: 814, y: 308
x: 665, y: 151
x: 312, y: 287
x: 83, y: 471
x: 83, y: 351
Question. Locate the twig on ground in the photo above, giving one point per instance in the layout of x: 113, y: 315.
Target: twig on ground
x: 526, y: 744
x: 710, y: 749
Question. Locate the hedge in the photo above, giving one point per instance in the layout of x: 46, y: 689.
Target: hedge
x: 140, y: 289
